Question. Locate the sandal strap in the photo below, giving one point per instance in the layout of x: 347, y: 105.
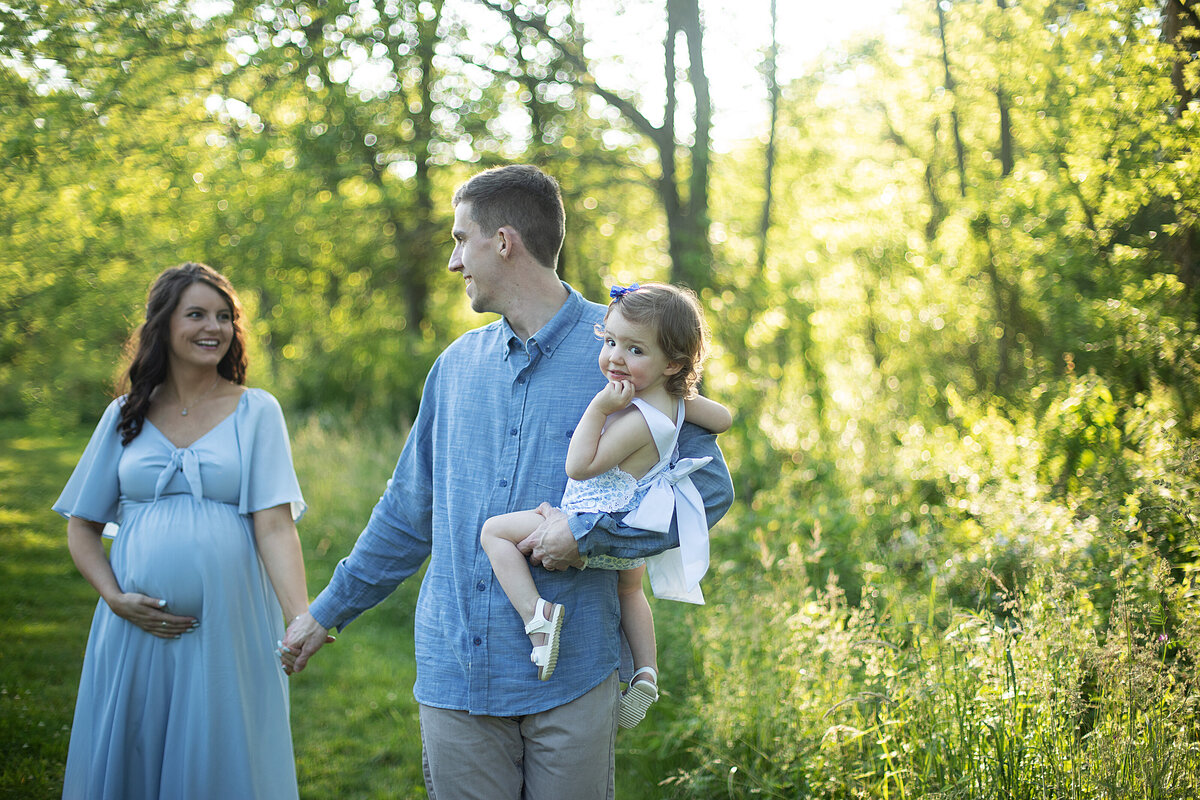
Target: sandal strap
x: 653, y: 675
x: 539, y: 623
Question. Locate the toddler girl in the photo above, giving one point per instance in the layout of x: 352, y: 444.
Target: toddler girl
x: 619, y: 459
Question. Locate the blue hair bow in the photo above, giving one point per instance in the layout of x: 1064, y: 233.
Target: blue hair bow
x: 620, y: 291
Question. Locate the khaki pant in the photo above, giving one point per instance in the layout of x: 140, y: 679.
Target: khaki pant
x: 566, y: 752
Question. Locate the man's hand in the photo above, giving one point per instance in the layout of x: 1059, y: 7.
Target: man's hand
x: 304, y: 637
x: 552, y: 544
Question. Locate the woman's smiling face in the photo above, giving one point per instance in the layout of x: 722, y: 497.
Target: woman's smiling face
x: 201, y: 326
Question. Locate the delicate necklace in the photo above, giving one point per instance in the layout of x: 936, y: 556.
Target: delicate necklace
x: 183, y: 413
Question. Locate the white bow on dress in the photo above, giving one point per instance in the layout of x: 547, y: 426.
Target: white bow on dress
x: 676, y: 573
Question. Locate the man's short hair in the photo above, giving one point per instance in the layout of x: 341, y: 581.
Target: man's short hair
x: 523, y: 197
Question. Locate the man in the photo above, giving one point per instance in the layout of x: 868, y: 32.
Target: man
x: 491, y: 436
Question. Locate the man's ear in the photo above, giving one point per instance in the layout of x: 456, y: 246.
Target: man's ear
x: 509, y: 241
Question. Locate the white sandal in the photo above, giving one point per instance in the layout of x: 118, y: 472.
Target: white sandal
x: 637, y: 698
x: 545, y: 655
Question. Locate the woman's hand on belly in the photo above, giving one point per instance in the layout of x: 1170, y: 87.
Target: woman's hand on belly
x: 150, y: 614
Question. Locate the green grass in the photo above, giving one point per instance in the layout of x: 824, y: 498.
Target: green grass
x: 47, y: 610
x: 354, y: 721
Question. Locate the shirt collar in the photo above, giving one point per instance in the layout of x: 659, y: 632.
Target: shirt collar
x: 548, y: 338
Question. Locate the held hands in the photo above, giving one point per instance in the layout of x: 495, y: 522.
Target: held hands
x: 304, y: 637
x: 613, y: 397
x: 151, y: 615
x: 552, y: 545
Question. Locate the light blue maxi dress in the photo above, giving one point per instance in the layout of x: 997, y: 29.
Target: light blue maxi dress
x: 204, y: 716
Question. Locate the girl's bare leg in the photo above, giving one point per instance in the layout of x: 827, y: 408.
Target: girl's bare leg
x: 637, y: 620
x: 499, y: 538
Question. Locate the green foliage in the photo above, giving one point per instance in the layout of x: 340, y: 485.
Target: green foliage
x: 1081, y: 435
x: 803, y: 694
x: 142, y: 136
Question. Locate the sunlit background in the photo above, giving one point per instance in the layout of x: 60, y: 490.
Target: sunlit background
x: 953, y: 295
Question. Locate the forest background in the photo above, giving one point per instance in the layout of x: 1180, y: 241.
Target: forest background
x: 953, y: 289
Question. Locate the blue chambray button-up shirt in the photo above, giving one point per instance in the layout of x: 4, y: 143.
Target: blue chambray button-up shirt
x: 491, y: 437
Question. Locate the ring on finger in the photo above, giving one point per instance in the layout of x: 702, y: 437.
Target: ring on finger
x: 164, y: 624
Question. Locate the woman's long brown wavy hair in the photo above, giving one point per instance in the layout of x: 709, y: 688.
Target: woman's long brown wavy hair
x: 149, y: 346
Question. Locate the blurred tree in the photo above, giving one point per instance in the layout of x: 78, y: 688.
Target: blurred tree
x: 342, y: 95
x: 770, y: 69
x: 298, y: 147
x: 1044, y: 263
x: 97, y: 184
x: 686, y: 209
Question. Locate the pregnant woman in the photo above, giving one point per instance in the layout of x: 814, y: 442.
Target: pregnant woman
x: 181, y: 694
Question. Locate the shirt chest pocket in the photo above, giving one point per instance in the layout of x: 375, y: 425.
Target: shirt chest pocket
x: 547, y: 442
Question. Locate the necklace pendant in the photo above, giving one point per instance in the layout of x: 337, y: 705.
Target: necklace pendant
x: 183, y: 413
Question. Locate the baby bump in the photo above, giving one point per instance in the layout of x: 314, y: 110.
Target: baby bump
x: 178, y: 550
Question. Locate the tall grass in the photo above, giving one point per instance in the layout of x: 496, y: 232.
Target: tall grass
x: 354, y: 722
x: 1005, y: 641
x: 805, y: 695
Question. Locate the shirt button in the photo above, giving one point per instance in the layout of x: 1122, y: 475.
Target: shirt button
x: 521, y: 379
x: 504, y: 483
x: 480, y: 586
x: 478, y: 641
x: 513, y: 432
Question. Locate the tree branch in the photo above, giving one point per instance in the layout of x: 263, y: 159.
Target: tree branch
x: 585, y: 80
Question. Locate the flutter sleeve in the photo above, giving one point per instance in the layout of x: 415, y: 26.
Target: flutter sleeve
x: 93, y: 491
x: 268, y: 477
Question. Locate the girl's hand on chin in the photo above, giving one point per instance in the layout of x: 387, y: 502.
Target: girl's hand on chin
x: 614, y: 397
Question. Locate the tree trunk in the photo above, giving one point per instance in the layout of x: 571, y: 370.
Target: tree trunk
x: 959, y: 152
x: 668, y: 183
x: 1181, y: 21
x: 422, y: 247
x: 1006, y: 137
x: 1181, y: 28
x: 771, y: 73
x: 697, y: 263
x: 1000, y: 305
x: 687, y: 218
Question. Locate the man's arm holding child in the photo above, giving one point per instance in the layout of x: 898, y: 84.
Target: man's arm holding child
x: 561, y: 540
